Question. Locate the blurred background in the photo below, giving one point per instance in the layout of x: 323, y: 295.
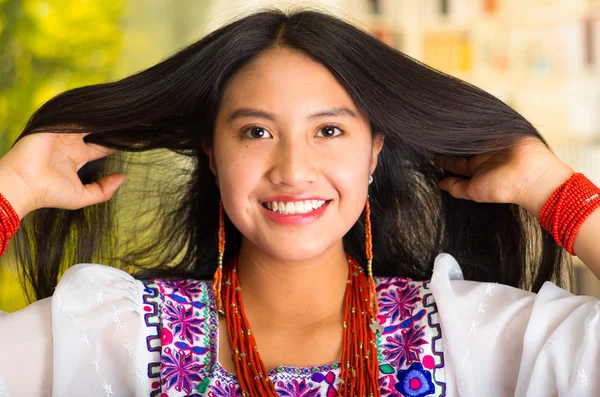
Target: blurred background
x: 542, y: 57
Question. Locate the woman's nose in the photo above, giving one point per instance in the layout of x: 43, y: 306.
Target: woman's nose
x: 294, y: 164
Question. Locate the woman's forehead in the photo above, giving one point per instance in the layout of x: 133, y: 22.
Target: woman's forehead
x: 284, y: 82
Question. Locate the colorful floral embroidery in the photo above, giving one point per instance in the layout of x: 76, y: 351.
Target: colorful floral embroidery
x: 414, y: 382
x: 296, y: 388
x: 179, y: 370
x: 404, y: 346
x: 185, y: 322
x: 224, y: 389
x: 187, y: 334
x: 399, y: 303
x: 411, y: 365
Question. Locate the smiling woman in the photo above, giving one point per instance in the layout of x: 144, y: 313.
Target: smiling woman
x: 300, y: 250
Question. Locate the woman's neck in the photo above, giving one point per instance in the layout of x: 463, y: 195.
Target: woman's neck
x: 292, y: 294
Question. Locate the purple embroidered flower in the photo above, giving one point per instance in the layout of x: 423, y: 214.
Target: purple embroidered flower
x: 404, y: 346
x: 179, y: 370
x: 183, y: 320
x: 186, y: 288
x: 415, y: 382
x: 296, y: 388
x: 223, y: 390
x: 399, y: 303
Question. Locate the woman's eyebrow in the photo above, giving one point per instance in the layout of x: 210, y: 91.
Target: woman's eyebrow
x: 249, y: 112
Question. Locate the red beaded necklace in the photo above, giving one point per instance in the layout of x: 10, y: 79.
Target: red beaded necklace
x: 359, y: 366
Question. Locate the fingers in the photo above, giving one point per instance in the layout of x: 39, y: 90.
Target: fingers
x: 455, y: 165
x: 81, y: 152
x: 95, y: 152
x: 461, y: 166
x: 457, y: 187
x: 101, y: 190
x: 89, y: 152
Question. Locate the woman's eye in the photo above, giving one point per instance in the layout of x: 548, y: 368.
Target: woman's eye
x: 256, y: 133
x: 329, y: 131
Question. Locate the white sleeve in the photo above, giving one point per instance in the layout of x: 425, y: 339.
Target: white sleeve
x: 503, y: 341
x: 26, y: 351
x: 89, y: 339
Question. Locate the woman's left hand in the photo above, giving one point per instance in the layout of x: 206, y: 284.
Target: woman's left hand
x: 525, y: 174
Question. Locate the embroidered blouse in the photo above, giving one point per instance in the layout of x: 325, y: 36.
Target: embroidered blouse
x: 104, y: 333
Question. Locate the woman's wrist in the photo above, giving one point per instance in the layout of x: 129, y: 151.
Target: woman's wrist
x: 17, y: 196
x: 541, y: 190
x: 567, y: 208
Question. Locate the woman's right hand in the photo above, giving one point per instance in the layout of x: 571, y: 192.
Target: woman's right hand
x: 40, y: 171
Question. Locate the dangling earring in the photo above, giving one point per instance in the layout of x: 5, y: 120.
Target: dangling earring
x: 218, y: 277
x: 374, y: 304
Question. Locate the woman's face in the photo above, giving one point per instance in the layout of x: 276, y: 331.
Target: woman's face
x: 273, y: 145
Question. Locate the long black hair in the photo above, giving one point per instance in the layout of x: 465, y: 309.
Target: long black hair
x: 163, y: 221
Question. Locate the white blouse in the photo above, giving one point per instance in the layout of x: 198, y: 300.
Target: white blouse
x: 90, y: 338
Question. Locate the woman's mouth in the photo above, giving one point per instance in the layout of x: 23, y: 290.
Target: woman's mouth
x: 295, y: 213
x: 294, y: 207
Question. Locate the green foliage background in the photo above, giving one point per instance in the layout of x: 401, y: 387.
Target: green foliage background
x: 47, y: 47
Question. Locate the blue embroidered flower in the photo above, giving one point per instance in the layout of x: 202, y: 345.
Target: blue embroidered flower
x: 415, y: 381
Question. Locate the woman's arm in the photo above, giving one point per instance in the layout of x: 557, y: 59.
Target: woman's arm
x: 587, y: 241
x: 504, y: 341
x: 526, y: 174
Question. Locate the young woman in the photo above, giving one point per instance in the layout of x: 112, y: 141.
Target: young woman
x: 306, y: 157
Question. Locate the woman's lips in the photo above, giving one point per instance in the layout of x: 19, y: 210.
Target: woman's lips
x: 296, y: 219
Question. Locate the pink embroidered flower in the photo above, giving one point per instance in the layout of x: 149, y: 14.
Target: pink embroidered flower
x: 166, y: 337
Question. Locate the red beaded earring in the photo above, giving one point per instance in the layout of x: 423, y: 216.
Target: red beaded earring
x: 373, y: 304
x: 218, y: 277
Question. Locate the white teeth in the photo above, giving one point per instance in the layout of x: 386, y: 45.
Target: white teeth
x: 289, y: 208
x: 298, y: 207
x: 308, y: 206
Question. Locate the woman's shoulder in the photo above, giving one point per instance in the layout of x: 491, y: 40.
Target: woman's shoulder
x: 93, y: 284
x: 101, y: 315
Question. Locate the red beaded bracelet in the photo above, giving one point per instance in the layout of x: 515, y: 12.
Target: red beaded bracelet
x: 10, y: 222
x: 566, y: 209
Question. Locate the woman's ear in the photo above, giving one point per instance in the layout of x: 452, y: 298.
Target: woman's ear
x: 377, y: 146
x: 211, y: 159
